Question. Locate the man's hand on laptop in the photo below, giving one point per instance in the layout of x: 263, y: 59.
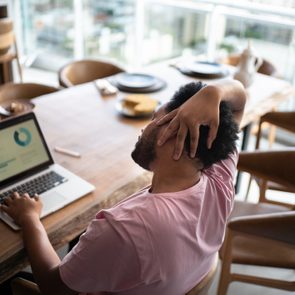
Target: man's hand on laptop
x: 22, y: 208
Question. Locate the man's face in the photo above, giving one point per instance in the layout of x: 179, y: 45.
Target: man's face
x: 144, y: 152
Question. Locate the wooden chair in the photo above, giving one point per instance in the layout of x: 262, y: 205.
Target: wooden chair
x: 20, y: 286
x: 202, y: 287
x: 8, y: 49
x: 261, y: 234
x: 83, y: 71
x: 14, y: 91
x: 284, y: 120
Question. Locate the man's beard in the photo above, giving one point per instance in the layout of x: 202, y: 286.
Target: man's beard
x: 144, y: 152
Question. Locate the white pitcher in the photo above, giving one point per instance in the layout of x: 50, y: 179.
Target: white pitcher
x: 248, y: 66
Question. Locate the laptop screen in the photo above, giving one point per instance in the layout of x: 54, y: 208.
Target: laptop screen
x: 22, y: 149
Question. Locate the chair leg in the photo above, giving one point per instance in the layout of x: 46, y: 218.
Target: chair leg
x: 224, y: 279
x: 248, y: 188
x: 258, y: 134
x: 258, y: 137
x: 18, y: 63
x: 5, y: 73
x: 19, y: 70
x: 262, y: 191
x: 271, y: 135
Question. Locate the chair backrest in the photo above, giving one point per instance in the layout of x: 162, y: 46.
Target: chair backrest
x: 202, y: 287
x: 11, y: 91
x: 8, y: 42
x: 6, y: 35
x: 276, y: 166
x: 84, y: 71
x: 285, y: 120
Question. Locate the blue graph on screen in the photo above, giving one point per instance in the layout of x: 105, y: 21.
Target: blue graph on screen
x: 22, y: 136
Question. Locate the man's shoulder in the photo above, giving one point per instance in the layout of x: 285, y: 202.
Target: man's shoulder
x: 129, y: 208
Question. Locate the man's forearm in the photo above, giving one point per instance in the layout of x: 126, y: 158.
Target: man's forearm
x: 43, y: 258
x: 231, y: 91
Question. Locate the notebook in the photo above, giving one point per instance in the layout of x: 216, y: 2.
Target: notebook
x: 26, y: 165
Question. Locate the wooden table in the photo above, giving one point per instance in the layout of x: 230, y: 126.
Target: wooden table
x: 80, y: 119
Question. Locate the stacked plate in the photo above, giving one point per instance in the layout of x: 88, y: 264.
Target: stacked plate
x: 203, y: 69
x: 137, y: 105
x: 137, y: 82
x: 15, y: 107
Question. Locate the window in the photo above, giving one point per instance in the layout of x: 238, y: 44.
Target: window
x: 47, y: 27
x: 139, y: 32
x: 172, y: 31
x: 108, y: 29
x: 273, y: 42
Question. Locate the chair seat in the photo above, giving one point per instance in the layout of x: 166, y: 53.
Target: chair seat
x: 253, y: 250
x: 247, y: 249
x: 276, y: 186
x: 246, y: 209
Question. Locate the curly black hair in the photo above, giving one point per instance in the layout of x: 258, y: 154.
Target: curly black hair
x: 225, y: 141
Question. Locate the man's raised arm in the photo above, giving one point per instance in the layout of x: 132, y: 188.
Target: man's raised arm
x: 202, y: 109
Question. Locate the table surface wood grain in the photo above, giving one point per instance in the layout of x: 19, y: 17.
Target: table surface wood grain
x: 80, y: 119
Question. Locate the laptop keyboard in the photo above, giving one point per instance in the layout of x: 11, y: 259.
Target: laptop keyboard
x: 37, y: 185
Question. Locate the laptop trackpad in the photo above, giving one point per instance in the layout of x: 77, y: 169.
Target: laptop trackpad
x: 51, y: 201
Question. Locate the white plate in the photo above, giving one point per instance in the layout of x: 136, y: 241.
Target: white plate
x: 136, y: 80
x: 205, y: 68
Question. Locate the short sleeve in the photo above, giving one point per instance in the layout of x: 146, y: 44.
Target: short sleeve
x: 103, y: 260
x: 225, y: 169
x: 221, y: 178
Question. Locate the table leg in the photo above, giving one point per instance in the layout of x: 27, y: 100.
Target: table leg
x: 245, y: 141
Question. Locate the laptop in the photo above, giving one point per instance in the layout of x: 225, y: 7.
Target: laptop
x: 26, y: 165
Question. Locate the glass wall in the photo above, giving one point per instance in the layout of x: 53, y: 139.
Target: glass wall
x: 139, y: 32
x: 47, y: 26
x: 108, y: 29
x: 173, y: 31
x: 273, y: 42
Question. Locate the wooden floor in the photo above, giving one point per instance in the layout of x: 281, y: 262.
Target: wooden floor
x: 237, y: 288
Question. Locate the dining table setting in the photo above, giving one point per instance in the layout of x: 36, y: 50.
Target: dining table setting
x: 99, y: 122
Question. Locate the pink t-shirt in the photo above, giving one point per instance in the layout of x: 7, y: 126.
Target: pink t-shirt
x: 154, y: 243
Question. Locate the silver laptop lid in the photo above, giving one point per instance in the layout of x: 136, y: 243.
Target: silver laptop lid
x: 23, y: 150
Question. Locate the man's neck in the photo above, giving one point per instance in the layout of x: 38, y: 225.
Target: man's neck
x: 175, y: 178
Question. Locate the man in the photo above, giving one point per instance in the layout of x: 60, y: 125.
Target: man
x: 163, y: 239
